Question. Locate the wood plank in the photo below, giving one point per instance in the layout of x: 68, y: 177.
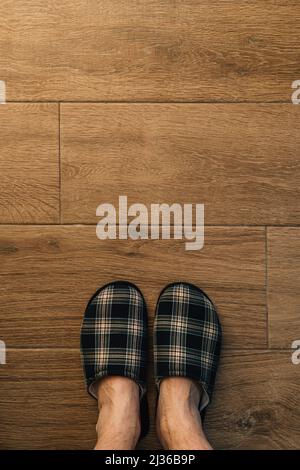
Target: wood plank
x: 256, y: 403
x: 283, y: 286
x: 48, y: 273
x: 44, y: 405
x: 29, y: 164
x: 115, y: 50
x: 43, y: 401
x: 241, y: 161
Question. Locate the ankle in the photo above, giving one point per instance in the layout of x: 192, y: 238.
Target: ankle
x: 179, y: 397
x: 117, y: 430
x: 118, y: 425
x: 179, y: 425
x: 183, y: 432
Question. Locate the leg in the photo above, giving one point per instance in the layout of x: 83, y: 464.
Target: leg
x: 118, y: 426
x: 114, y: 350
x: 178, y: 423
x: 187, y: 343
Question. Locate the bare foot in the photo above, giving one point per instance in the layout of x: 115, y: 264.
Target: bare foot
x: 118, y: 426
x: 178, y: 421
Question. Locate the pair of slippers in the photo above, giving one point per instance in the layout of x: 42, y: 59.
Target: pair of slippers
x: 187, y: 338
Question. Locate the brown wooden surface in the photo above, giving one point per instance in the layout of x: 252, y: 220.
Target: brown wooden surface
x: 150, y: 50
x: 256, y: 402
x: 29, y: 165
x: 236, y: 151
x: 241, y: 161
x: 284, y: 286
x: 49, y: 273
x: 44, y: 405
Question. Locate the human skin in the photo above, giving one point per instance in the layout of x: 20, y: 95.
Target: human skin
x: 178, y: 422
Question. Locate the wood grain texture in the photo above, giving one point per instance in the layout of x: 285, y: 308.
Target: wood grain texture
x: 256, y: 402
x: 283, y: 286
x: 44, y: 405
x: 150, y: 50
x: 29, y: 164
x: 241, y: 161
x: 228, y: 143
x: 48, y: 274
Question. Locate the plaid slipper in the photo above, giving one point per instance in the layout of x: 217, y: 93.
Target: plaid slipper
x: 187, y: 337
x: 114, y: 339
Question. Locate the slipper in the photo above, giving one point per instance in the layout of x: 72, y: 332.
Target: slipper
x: 114, y: 339
x: 187, y: 338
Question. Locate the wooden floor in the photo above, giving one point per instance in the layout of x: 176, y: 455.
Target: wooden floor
x: 184, y: 102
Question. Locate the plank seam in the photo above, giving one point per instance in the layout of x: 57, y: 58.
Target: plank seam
x: 91, y: 224
x: 146, y: 102
x: 59, y: 160
x: 225, y: 349
x: 267, y: 287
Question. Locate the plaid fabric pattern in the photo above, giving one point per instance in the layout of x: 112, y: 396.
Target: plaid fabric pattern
x: 114, y: 335
x: 187, y: 337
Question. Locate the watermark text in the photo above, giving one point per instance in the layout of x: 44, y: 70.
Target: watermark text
x: 296, y: 93
x: 296, y: 353
x: 2, y: 353
x: 2, y: 92
x: 166, y: 221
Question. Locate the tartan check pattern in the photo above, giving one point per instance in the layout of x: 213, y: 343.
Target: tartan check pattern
x: 187, y: 337
x: 114, y: 335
